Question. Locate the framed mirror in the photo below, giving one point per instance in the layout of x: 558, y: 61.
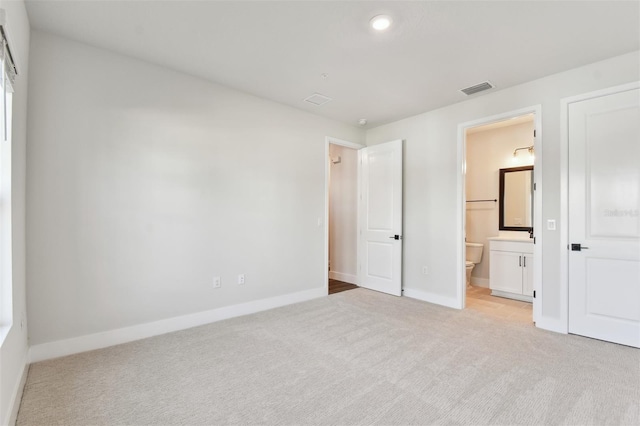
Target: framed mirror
x: 516, y: 199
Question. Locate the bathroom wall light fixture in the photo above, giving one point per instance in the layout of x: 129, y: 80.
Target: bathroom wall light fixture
x: 528, y: 148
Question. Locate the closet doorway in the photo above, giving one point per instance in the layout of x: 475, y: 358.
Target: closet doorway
x: 342, y: 215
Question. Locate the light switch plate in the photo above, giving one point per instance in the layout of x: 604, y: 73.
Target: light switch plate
x: 551, y: 224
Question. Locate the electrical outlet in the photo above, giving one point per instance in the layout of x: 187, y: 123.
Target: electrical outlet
x: 217, y: 282
x: 241, y: 279
x: 425, y: 270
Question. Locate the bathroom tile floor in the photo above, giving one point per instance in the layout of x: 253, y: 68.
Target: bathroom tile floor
x: 480, y: 299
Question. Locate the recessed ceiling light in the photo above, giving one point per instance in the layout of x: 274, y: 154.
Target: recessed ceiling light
x: 380, y: 22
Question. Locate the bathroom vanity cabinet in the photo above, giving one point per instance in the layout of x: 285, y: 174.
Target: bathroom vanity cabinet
x: 511, y: 268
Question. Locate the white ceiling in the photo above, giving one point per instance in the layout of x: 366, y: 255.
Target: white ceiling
x: 278, y: 50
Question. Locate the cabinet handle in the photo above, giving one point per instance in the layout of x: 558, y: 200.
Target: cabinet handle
x: 524, y: 263
x: 519, y: 260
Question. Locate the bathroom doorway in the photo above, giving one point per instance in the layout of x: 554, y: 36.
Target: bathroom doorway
x: 500, y: 208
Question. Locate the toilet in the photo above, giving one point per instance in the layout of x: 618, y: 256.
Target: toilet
x: 473, y: 257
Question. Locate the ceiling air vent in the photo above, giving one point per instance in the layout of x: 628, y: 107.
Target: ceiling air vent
x: 317, y: 99
x: 485, y: 85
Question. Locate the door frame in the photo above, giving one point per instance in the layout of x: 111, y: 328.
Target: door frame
x: 562, y: 325
x: 328, y: 140
x: 461, y: 203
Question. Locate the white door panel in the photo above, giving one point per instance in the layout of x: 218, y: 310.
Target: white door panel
x: 600, y: 284
x: 604, y: 217
x: 380, y: 190
x: 380, y: 218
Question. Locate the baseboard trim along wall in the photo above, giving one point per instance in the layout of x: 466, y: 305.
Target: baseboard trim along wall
x: 480, y: 282
x: 347, y: 278
x: 105, y: 339
x: 16, y: 398
x: 450, y: 302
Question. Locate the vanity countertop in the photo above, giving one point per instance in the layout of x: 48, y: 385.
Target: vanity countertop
x: 514, y: 239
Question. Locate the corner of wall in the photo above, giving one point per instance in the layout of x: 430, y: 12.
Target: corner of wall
x: 16, y: 398
x: 13, y: 352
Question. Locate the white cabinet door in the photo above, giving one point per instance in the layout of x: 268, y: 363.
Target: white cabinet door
x: 506, y: 271
x: 604, y: 218
x: 380, y: 218
x: 527, y: 274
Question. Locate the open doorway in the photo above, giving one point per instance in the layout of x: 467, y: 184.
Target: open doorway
x: 342, y: 215
x: 500, y: 208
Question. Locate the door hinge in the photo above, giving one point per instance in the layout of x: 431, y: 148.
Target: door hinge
x: 534, y: 294
x: 534, y: 240
x: 534, y: 133
x: 534, y: 186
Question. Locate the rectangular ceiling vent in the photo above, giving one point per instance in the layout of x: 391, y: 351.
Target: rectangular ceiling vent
x: 317, y: 99
x: 485, y: 85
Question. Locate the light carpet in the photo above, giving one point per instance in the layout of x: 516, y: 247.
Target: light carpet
x: 357, y: 357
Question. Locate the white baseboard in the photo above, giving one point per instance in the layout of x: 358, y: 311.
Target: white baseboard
x: 347, y: 278
x: 450, y: 302
x: 16, y: 398
x: 104, y: 339
x: 480, y: 282
x: 513, y: 296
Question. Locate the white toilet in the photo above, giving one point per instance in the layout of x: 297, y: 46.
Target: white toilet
x: 473, y: 257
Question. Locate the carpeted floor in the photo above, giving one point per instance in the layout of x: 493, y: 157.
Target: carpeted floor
x: 356, y: 357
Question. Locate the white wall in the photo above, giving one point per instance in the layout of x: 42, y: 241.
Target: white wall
x: 431, y: 173
x: 13, y: 353
x: 489, y: 151
x: 144, y: 183
x: 343, y: 218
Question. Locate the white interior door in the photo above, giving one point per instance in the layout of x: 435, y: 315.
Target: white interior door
x: 604, y: 217
x: 380, y: 218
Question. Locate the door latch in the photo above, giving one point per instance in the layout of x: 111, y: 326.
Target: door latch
x: 578, y: 247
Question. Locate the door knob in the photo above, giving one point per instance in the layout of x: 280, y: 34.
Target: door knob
x: 396, y: 237
x: 578, y: 247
